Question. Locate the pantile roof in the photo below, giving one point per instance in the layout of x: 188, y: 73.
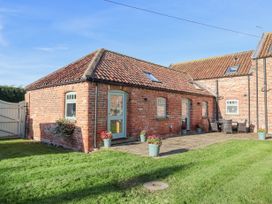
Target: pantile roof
x: 216, y: 67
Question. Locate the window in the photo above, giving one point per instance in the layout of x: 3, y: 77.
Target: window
x: 232, y: 107
x: 151, y: 77
x: 204, y: 109
x: 232, y: 69
x: 70, y: 105
x: 161, y: 107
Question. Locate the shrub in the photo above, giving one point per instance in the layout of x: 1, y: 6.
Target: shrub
x: 143, y: 132
x: 261, y: 130
x: 105, y: 135
x: 65, y: 128
x: 154, y: 139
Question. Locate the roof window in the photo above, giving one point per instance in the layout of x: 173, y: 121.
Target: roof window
x: 232, y: 69
x: 151, y: 77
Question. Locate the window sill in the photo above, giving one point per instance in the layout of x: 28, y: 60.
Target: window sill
x: 71, y: 119
x: 162, y: 118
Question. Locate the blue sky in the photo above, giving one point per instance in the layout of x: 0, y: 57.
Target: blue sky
x: 37, y: 37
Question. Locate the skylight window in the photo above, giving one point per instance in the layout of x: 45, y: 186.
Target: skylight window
x: 232, y: 69
x: 151, y: 77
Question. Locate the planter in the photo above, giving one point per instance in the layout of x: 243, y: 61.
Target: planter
x: 198, y: 130
x: 107, y: 143
x: 154, y: 150
x: 184, y: 132
x: 261, y: 135
x: 142, y: 138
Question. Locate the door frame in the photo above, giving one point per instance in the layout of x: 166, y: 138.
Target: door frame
x: 188, y: 103
x: 123, y: 117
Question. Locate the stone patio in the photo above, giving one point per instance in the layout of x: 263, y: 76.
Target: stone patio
x: 181, y: 144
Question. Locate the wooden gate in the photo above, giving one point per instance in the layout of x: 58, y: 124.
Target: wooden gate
x: 12, y: 119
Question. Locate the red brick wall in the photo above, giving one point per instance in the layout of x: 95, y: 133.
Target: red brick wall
x: 261, y: 113
x: 45, y: 106
x: 230, y: 88
x: 141, y: 113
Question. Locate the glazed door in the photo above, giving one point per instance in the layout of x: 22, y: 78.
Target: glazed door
x: 117, y: 114
x: 186, y: 112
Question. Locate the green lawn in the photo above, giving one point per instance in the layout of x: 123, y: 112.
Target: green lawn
x: 232, y: 172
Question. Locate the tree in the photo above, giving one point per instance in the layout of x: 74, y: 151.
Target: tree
x: 12, y: 94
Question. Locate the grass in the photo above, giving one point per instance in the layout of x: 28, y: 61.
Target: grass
x: 231, y: 172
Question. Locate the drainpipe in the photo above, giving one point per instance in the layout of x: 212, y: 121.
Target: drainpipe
x: 257, y: 96
x: 95, y: 116
x: 265, y: 96
x: 217, y: 98
x: 248, y: 95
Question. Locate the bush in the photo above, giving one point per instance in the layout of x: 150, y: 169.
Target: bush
x: 143, y: 132
x: 12, y: 94
x: 154, y: 139
x: 65, y: 128
x: 105, y: 135
x: 261, y: 130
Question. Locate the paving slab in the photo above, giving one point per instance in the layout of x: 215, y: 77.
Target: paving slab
x: 179, y: 144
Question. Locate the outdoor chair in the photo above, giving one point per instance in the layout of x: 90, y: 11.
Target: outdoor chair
x: 242, y: 126
x: 227, y: 126
x: 214, y: 126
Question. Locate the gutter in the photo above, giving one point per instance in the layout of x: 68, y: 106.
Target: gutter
x: 265, y: 96
x: 217, y: 98
x: 148, y: 87
x: 95, y: 116
x: 249, y: 107
x: 257, y: 96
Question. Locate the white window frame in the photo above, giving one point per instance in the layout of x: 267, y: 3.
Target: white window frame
x: 73, y: 100
x: 232, y: 100
x: 206, y: 109
x: 165, y: 107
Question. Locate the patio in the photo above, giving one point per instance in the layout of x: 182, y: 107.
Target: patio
x: 181, y: 144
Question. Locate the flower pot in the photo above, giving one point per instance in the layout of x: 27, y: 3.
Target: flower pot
x: 261, y: 135
x: 184, y: 132
x: 154, y: 150
x: 107, y: 143
x: 198, y: 130
x: 142, y: 138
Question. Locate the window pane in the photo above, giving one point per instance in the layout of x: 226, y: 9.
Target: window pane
x: 161, y: 107
x: 116, y: 126
x: 116, y: 105
x: 232, y: 109
x: 71, y: 110
x: 204, y: 109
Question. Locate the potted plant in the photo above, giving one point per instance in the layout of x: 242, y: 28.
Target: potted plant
x: 142, y: 136
x: 154, y: 143
x: 261, y: 134
x: 199, y: 128
x: 184, y: 128
x: 106, y: 137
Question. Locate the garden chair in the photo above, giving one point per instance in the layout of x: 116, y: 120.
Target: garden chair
x: 227, y: 126
x: 242, y: 126
x: 214, y: 126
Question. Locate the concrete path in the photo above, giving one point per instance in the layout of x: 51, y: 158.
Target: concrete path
x: 181, y: 144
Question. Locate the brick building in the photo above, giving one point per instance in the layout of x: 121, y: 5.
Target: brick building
x: 241, y: 83
x: 109, y: 91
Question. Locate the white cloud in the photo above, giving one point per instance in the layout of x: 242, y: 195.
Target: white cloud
x: 51, y: 49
